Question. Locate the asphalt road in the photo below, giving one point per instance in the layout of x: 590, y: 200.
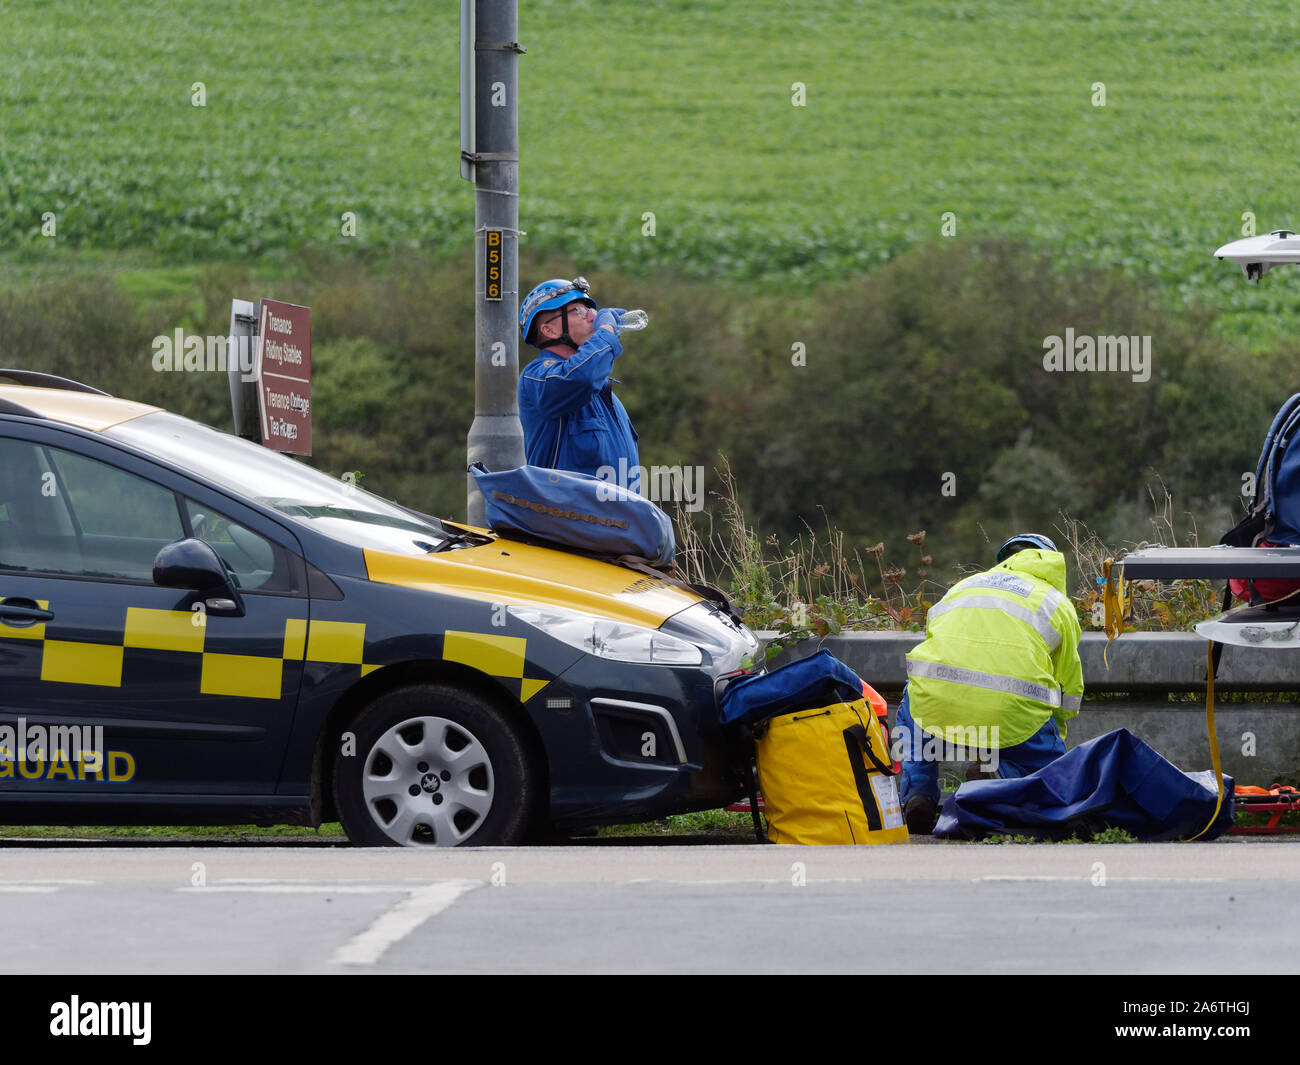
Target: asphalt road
x: 1130, y: 908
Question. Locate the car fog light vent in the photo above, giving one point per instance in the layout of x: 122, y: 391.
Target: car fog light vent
x: 638, y: 732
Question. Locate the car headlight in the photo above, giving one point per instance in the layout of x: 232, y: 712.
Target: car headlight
x: 615, y: 640
x: 730, y: 646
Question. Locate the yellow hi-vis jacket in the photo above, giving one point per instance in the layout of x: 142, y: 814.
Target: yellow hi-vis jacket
x: 1001, y: 653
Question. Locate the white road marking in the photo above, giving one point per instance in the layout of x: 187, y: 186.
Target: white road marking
x: 1110, y: 879
x: 408, y: 884
x: 250, y: 880
x: 61, y: 883
x: 298, y: 889
x: 403, y: 919
x: 40, y: 887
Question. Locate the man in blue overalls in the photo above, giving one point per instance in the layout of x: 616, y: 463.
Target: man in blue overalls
x: 571, y: 418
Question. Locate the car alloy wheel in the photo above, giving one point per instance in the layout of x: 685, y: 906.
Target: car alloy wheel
x: 431, y: 764
x: 427, y: 781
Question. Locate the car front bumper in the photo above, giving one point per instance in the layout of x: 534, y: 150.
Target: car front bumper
x: 629, y: 743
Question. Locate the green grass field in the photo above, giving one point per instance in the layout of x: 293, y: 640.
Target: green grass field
x: 984, y: 109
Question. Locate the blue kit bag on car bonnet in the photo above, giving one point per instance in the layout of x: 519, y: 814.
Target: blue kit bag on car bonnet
x: 578, y: 511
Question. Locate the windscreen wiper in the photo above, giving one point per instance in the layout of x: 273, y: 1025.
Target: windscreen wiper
x: 451, y: 540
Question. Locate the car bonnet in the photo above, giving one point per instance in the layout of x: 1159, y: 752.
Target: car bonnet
x: 506, y: 571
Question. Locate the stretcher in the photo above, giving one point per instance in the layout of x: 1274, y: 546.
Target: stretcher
x: 1274, y: 802
x: 1273, y: 625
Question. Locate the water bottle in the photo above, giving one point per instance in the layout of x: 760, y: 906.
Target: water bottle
x: 632, y: 321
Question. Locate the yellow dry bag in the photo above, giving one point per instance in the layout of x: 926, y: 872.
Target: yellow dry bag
x: 827, y: 777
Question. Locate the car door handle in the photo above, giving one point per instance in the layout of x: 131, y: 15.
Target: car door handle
x: 21, y: 613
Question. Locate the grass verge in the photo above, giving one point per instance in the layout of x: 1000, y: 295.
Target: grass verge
x: 153, y: 833
x: 726, y: 826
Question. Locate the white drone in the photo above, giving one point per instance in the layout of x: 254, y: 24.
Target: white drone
x: 1257, y: 255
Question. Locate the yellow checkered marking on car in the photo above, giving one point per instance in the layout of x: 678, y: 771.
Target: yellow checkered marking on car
x: 336, y: 641
x: 164, y: 630
x: 295, y: 639
x: 144, y: 628
x: 82, y: 663
x: 496, y: 655
x: 499, y: 656
x: 246, y: 676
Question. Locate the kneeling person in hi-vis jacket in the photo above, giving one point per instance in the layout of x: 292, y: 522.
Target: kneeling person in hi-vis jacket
x: 996, y: 678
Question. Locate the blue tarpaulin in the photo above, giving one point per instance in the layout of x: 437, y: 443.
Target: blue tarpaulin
x: 1113, y: 781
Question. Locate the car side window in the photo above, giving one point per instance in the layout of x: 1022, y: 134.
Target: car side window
x: 68, y: 514
x: 254, y: 562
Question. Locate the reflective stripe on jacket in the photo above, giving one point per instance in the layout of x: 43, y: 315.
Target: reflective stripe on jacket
x: 1001, y: 651
x: 571, y: 418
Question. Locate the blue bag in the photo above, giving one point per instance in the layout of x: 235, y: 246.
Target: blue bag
x: 576, y: 510
x: 1113, y: 781
x: 813, y: 681
x: 1274, y: 513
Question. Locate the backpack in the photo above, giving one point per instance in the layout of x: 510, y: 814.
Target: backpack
x: 1273, y: 519
x: 578, y: 511
x: 822, y: 754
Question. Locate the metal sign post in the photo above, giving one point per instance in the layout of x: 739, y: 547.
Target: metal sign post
x: 490, y: 156
x: 268, y: 367
x: 241, y: 352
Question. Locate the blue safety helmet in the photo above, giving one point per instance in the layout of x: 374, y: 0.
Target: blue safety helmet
x: 1023, y: 542
x: 549, y: 296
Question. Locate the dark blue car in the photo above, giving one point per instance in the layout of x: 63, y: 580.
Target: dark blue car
x: 195, y: 629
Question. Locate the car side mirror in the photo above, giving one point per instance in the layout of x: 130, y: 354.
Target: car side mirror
x: 193, y: 565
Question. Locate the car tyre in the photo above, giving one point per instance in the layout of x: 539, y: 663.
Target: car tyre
x: 435, y: 765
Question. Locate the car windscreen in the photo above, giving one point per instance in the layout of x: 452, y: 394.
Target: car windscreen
x: 333, y: 507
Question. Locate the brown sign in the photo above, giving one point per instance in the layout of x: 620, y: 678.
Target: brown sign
x: 284, y: 376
